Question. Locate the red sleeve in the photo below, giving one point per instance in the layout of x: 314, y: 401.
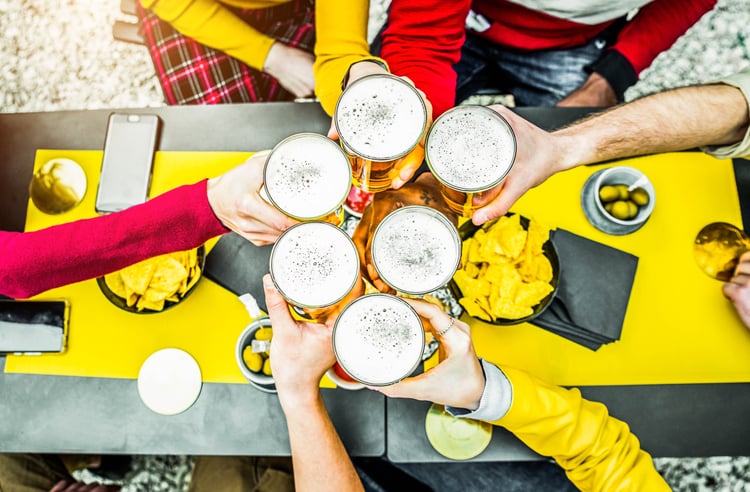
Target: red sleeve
x: 423, y: 41
x: 33, y: 262
x: 656, y: 27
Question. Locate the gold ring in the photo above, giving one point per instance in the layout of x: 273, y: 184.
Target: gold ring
x: 445, y: 330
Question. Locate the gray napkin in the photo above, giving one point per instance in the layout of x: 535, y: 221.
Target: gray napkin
x: 593, y: 291
x: 238, y: 265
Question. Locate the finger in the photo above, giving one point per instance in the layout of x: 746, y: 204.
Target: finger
x: 497, y: 207
x: 409, y: 166
x: 414, y: 387
x: 437, y: 318
x: 60, y: 486
x: 333, y: 133
x: 743, y: 267
x: 278, y: 309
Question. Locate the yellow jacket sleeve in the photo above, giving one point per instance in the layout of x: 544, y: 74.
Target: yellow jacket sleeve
x: 341, y: 40
x: 211, y: 24
x: 597, y: 451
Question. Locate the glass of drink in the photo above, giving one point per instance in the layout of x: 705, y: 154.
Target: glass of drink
x: 469, y: 149
x: 378, y: 339
x: 416, y: 250
x: 307, y: 177
x: 315, y: 266
x: 380, y: 119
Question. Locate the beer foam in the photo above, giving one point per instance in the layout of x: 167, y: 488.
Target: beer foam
x: 380, y: 117
x: 415, y: 250
x: 378, y: 339
x: 470, y: 148
x: 314, y: 264
x: 307, y: 176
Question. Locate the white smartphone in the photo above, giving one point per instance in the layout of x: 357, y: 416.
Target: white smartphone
x: 128, y: 159
x: 33, y: 327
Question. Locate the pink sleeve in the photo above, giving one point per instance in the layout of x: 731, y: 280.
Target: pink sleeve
x: 423, y: 41
x: 33, y: 262
x: 656, y: 27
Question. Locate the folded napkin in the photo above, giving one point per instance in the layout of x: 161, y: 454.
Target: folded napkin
x: 592, y: 293
x: 238, y: 265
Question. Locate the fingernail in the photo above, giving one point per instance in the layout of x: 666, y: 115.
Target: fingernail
x: 268, y: 283
x: 373, y: 388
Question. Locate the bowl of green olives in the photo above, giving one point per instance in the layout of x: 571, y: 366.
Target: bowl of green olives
x: 253, y: 354
x: 618, y: 200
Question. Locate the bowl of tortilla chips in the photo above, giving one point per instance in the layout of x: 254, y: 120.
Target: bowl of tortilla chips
x: 509, y: 270
x: 156, y: 284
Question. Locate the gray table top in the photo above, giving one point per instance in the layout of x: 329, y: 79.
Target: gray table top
x: 71, y: 414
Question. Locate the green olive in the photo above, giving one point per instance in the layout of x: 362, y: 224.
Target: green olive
x: 608, y: 206
x: 624, y: 209
x: 264, y: 333
x: 622, y: 191
x: 267, y: 367
x: 608, y: 194
x: 639, y: 197
x: 253, y: 360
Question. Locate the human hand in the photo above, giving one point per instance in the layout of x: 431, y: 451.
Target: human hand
x: 292, y: 67
x: 538, y: 156
x: 458, y: 380
x: 411, y: 161
x: 424, y: 191
x: 594, y: 93
x: 235, y: 200
x: 357, y: 71
x: 66, y: 486
x: 737, y: 289
x: 301, y: 352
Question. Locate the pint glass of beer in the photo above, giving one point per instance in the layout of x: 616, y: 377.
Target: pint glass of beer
x: 315, y: 266
x: 380, y: 119
x: 378, y: 339
x: 307, y: 177
x: 469, y: 149
x: 416, y: 250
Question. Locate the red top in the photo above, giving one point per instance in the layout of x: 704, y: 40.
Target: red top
x: 423, y: 40
x: 32, y: 262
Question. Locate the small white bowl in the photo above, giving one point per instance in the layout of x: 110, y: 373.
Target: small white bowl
x: 594, y: 208
x: 257, y: 379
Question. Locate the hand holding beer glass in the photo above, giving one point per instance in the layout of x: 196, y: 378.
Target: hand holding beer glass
x: 307, y: 177
x: 315, y: 267
x: 470, y: 150
x: 381, y: 121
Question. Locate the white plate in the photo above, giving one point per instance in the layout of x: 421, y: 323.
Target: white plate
x: 169, y: 381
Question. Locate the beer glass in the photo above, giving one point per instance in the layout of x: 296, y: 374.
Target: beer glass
x: 416, y: 250
x: 469, y: 149
x: 315, y: 266
x: 378, y: 339
x: 380, y: 119
x: 307, y: 177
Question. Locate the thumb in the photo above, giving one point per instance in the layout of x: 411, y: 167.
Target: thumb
x: 277, y: 306
x: 497, y: 207
x: 407, y: 388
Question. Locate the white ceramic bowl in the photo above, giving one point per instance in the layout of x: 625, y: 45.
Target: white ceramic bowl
x: 623, y: 175
x: 257, y: 379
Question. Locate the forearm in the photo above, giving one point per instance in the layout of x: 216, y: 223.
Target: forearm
x: 41, y: 260
x: 670, y: 121
x: 341, y: 40
x: 211, y: 24
x: 319, y: 458
x: 597, y: 451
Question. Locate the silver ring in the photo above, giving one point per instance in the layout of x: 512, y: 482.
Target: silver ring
x: 445, y: 330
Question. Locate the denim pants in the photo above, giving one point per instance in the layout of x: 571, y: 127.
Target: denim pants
x: 535, y: 78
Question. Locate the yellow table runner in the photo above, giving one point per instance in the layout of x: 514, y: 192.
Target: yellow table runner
x: 678, y: 328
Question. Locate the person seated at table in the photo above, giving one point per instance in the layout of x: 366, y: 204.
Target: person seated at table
x: 584, y: 53
x: 180, y: 219
x: 45, y: 473
x: 226, y: 51
x: 597, y: 451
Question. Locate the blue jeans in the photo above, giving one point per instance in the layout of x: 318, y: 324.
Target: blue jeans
x: 535, y: 78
